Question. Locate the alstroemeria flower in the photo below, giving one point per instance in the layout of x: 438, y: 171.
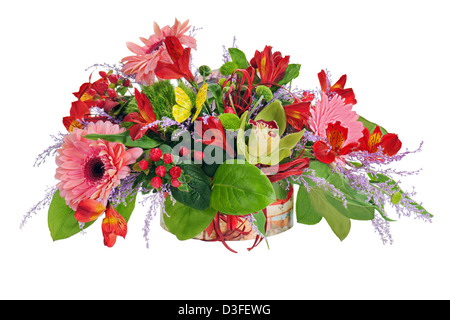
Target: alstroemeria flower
x: 336, y: 145
x: 113, y: 224
x: 271, y: 67
x: 389, y: 143
x: 78, y: 112
x: 298, y: 113
x: 180, y: 57
x: 264, y: 138
x: 145, y: 118
x: 338, y: 88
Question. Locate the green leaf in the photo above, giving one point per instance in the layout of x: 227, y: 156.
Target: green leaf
x: 274, y: 111
x: 238, y: 57
x: 145, y: 142
x: 303, y: 208
x: 61, y: 219
x: 321, y: 169
x: 292, y: 72
x: 338, y: 222
x: 228, y: 68
x: 186, y: 222
x: 370, y: 125
x: 216, y: 91
x: 199, y: 188
x: 240, y: 189
x: 289, y: 141
x: 126, y: 209
x: 280, y: 189
x: 260, y: 221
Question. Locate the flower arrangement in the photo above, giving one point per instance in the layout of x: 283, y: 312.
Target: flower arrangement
x: 215, y: 149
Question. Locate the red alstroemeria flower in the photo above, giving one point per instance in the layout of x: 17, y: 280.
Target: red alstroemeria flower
x: 212, y: 133
x: 113, y: 224
x: 271, y: 67
x: 94, y: 94
x: 338, y: 88
x: 78, y: 112
x: 336, y: 146
x: 390, y: 143
x: 181, y: 59
x: 298, y: 113
x: 294, y: 167
x: 145, y: 117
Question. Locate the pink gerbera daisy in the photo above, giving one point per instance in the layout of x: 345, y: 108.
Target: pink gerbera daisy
x: 144, y: 63
x: 330, y: 111
x: 88, y: 169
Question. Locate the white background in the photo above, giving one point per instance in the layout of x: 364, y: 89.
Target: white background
x: 396, y: 56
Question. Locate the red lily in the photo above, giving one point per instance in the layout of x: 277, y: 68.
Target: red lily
x: 338, y: 88
x: 271, y: 67
x: 390, y: 143
x: 145, y: 117
x: 294, y: 167
x: 181, y: 59
x: 113, y: 224
x: 298, y: 113
x: 327, y: 152
x: 212, y: 133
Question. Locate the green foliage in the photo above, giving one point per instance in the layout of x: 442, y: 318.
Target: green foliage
x: 145, y: 142
x: 370, y: 125
x: 238, y: 57
x: 274, y: 111
x: 240, y: 188
x: 162, y: 97
x: 230, y: 121
x: 228, y: 68
x: 216, y: 91
x: 292, y: 72
x: 186, y: 222
x: 198, y: 194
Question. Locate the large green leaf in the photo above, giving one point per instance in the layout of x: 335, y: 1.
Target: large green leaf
x: 238, y: 57
x: 292, y: 72
x: 186, y: 222
x: 337, y: 221
x: 303, y: 208
x: 199, y: 188
x: 145, y: 142
x: 240, y: 189
x: 61, y: 219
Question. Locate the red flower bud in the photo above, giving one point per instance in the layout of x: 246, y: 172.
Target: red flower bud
x: 155, y: 182
x: 184, y: 151
x: 229, y: 110
x: 113, y: 78
x: 127, y: 83
x: 111, y: 93
x: 155, y: 154
x: 160, y: 171
x: 390, y: 143
x: 175, y: 172
x: 143, y: 165
x: 167, y: 158
x: 175, y: 182
x: 103, y: 74
x: 92, y: 92
x: 198, y: 155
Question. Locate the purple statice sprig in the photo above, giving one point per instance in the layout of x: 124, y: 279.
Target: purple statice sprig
x: 43, y: 203
x: 52, y: 150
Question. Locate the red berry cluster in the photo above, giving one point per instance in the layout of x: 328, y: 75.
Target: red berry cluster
x: 164, y: 163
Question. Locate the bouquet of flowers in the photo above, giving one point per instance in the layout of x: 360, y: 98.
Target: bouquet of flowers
x: 217, y: 152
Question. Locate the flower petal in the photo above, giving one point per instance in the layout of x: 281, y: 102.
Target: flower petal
x: 89, y: 210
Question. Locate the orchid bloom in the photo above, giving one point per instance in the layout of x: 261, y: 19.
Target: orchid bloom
x: 264, y: 139
x: 389, y: 143
x: 271, y: 66
x: 338, y: 88
x: 113, y: 224
x: 145, y: 118
x: 180, y: 57
x: 336, y: 144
